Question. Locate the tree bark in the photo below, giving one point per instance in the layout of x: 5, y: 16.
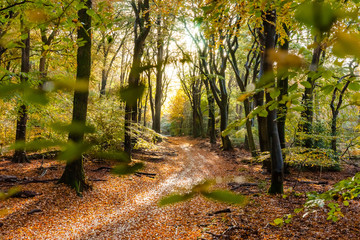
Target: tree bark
x: 307, y: 115
x: 159, y: 77
x: 74, y: 174
x: 283, y: 85
x: 277, y: 165
x: 211, y: 113
x: 20, y: 153
x: 197, y: 121
x: 143, y: 22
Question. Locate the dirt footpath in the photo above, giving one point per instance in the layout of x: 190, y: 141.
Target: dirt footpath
x: 120, y: 207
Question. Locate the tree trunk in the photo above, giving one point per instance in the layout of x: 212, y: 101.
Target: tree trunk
x: 283, y: 85
x: 250, y: 136
x: 103, y: 82
x: 74, y: 175
x: 159, y: 77
x: 20, y: 154
x: 224, y: 115
x: 277, y: 165
x: 308, y: 98
x: 333, y: 133
x: 197, y: 125
x: 143, y: 22
x: 211, y: 106
x: 262, y: 124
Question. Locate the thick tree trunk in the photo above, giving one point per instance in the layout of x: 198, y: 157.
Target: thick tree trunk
x: 277, y: 164
x: 20, y: 154
x: 74, y: 175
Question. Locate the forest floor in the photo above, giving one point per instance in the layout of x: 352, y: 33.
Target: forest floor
x: 127, y: 207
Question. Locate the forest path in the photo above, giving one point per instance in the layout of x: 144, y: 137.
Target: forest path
x: 118, y: 207
x: 142, y: 218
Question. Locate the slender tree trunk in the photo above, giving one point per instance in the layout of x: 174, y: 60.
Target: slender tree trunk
x: 211, y: 110
x: 20, y: 154
x: 283, y: 85
x: 277, y: 164
x: 74, y: 174
x: 197, y: 125
x: 250, y: 137
x: 145, y: 108
x: 262, y: 124
x: 143, y: 24
x: 224, y: 115
x: 103, y: 82
x: 334, y: 133
x: 159, y: 77
x: 308, y: 98
x: 151, y: 100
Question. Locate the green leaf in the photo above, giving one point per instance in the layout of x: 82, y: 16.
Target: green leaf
x: 356, y: 99
x: 263, y: 113
x: 126, y: 169
x: 278, y: 221
x: 327, y: 74
x: 306, y: 84
x: 36, y: 145
x: 319, y: 16
x: 346, y: 203
x: 36, y: 96
x: 297, y: 210
x: 233, y: 125
x: 75, y: 127
x: 328, y: 89
x: 175, y: 198
x: 275, y: 93
x: 298, y: 108
x: 347, y: 45
x: 131, y: 94
x: 203, y: 187
x: 266, y: 80
x: 293, y: 87
x: 273, y: 106
x: 73, y: 151
x: 9, y: 193
x: 226, y: 197
x: 354, y: 86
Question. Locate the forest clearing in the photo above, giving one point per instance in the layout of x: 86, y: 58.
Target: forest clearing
x: 200, y: 119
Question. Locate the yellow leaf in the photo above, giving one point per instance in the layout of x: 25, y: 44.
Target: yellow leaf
x: 244, y: 96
